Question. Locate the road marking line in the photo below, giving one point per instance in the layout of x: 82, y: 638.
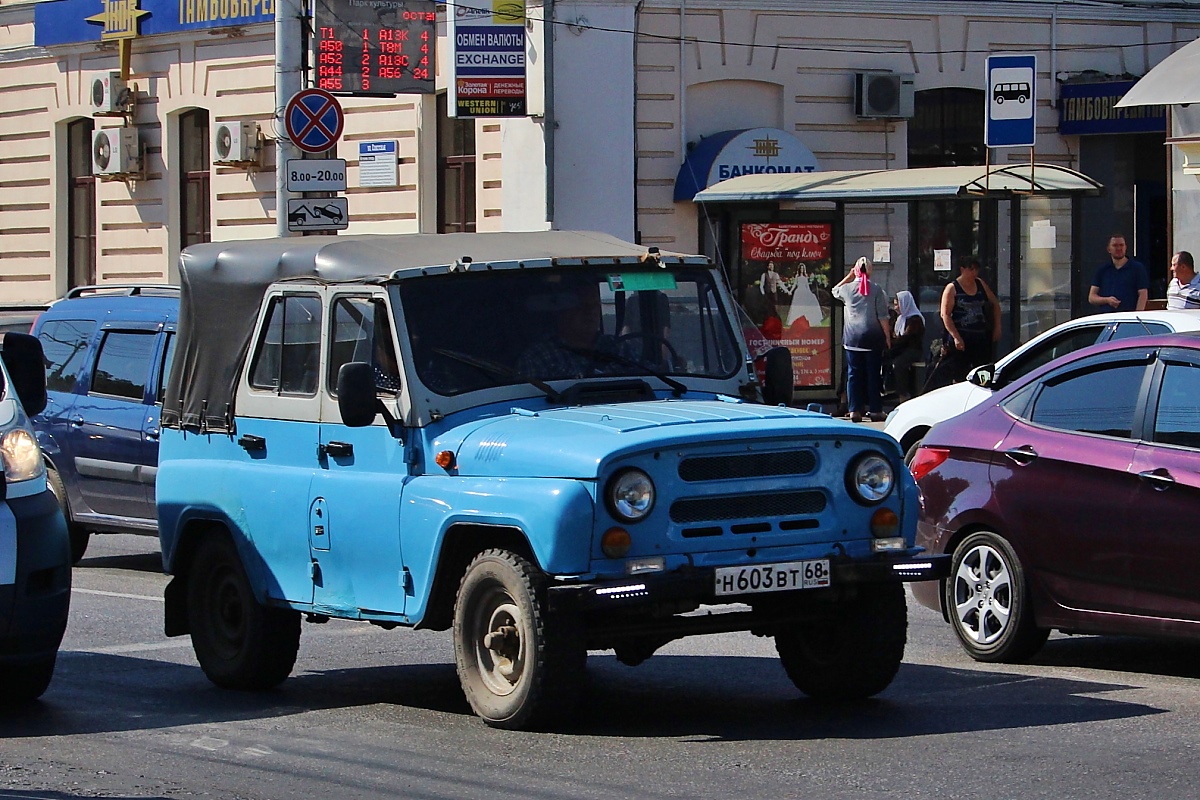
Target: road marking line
x: 118, y: 594
x: 139, y: 647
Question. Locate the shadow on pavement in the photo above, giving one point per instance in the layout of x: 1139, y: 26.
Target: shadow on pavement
x: 707, y: 697
x: 138, y: 562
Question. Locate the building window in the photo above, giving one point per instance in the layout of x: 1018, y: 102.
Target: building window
x: 456, y: 171
x: 81, y: 205
x: 194, y: 211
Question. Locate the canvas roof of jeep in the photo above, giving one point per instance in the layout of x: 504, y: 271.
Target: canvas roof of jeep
x: 222, y: 285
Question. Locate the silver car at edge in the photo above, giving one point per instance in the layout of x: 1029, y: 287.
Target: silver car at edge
x: 910, y: 421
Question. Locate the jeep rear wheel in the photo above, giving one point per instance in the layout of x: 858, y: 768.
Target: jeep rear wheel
x: 852, y: 654
x: 518, y: 664
x: 78, y: 535
x: 239, y: 643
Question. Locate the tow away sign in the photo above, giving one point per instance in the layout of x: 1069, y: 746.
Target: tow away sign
x: 318, y: 214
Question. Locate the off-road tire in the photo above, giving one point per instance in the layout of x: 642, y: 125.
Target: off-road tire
x: 852, y: 654
x: 533, y: 670
x: 240, y: 643
x: 75, y: 532
x: 987, y: 601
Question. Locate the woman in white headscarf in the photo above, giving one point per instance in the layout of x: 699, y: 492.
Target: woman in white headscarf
x: 908, y: 344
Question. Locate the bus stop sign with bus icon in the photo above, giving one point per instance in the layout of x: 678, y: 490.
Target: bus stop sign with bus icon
x: 1011, y: 101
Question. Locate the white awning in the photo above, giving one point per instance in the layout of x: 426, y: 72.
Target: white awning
x: 1175, y: 81
x: 894, y: 185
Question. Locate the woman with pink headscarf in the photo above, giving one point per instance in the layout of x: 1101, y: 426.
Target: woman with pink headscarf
x: 866, y: 333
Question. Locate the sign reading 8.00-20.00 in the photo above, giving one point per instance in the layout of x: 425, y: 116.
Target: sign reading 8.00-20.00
x: 376, y: 47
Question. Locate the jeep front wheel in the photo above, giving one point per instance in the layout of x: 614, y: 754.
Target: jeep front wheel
x: 853, y: 653
x: 239, y: 643
x: 519, y: 664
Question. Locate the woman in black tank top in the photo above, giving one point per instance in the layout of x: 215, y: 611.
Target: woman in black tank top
x: 971, y: 315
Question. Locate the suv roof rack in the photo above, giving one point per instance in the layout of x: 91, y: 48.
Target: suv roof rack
x: 156, y: 289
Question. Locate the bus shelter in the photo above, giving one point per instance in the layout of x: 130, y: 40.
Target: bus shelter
x: 786, y: 238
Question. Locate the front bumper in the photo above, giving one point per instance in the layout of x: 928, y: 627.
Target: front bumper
x: 690, y: 587
x: 34, y: 606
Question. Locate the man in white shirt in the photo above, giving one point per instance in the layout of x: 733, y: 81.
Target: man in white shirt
x: 1184, y: 290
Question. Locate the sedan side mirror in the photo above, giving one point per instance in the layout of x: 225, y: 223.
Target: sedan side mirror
x: 27, y: 367
x: 984, y: 376
x: 356, y: 394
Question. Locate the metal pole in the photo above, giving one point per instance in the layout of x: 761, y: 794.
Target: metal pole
x: 289, y: 79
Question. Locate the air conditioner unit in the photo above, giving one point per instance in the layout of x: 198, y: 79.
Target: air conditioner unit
x: 115, y: 151
x: 110, y: 95
x: 883, y: 95
x: 235, y: 142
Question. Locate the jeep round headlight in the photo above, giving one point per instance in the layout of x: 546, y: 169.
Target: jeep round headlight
x: 630, y: 495
x: 870, y: 478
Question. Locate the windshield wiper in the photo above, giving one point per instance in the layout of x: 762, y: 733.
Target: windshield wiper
x: 678, y: 389
x: 494, y: 369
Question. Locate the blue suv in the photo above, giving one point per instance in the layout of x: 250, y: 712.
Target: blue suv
x: 106, y: 349
x: 546, y: 443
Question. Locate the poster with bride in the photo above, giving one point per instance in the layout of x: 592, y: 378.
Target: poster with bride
x: 785, y: 290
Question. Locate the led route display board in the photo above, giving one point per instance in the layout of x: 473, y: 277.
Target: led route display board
x: 375, y: 46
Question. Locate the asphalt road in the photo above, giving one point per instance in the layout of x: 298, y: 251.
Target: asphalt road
x: 377, y: 714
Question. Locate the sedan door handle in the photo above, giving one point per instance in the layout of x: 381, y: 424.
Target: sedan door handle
x: 1159, y: 478
x: 1023, y: 455
x: 77, y: 422
x: 250, y: 443
x: 336, y: 449
x: 152, y: 434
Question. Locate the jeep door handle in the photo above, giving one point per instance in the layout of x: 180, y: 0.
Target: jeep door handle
x: 1159, y: 478
x: 1023, y: 455
x: 336, y: 449
x: 250, y: 443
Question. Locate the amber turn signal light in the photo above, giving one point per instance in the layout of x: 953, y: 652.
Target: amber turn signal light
x: 445, y: 459
x: 616, y: 542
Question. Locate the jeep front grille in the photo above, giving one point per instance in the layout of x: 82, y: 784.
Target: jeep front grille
x: 747, y: 506
x: 751, y: 465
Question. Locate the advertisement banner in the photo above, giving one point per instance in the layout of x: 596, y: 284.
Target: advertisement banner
x: 785, y: 276
x: 488, y: 65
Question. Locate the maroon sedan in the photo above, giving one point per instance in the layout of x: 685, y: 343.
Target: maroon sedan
x: 1070, y: 500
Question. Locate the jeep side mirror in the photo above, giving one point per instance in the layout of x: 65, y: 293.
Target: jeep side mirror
x: 984, y: 376
x: 778, y: 386
x: 27, y: 367
x: 356, y: 394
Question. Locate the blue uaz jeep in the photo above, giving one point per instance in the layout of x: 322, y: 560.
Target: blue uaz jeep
x: 548, y: 442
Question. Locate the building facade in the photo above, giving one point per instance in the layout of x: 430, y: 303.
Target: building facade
x: 639, y: 105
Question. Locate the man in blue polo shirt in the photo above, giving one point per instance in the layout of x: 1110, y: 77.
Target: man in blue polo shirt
x: 1121, y: 284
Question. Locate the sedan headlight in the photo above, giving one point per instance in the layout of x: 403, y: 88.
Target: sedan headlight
x: 870, y: 478
x: 19, y: 452
x: 630, y: 495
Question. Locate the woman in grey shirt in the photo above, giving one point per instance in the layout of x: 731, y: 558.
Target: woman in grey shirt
x: 866, y: 333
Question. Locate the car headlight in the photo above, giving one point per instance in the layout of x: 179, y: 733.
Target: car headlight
x: 630, y: 495
x: 870, y: 478
x: 19, y: 452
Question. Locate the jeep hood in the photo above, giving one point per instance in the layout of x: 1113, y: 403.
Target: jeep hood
x: 574, y: 442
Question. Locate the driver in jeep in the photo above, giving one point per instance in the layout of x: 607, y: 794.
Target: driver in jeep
x: 577, y: 346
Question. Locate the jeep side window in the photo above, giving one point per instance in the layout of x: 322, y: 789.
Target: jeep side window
x: 360, y: 333
x: 124, y: 364
x: 287, y: 358
x: 64, y: 344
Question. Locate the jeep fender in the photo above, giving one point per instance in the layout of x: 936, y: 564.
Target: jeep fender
x: 555, y: 516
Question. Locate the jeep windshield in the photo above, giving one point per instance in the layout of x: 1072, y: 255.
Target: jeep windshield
x: 477, y: 330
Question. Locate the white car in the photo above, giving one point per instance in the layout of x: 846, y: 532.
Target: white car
x: 909, y: 423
